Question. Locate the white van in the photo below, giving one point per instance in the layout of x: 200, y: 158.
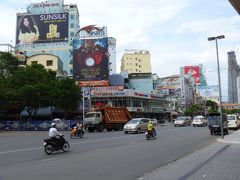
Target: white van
x: 233, y: 121
x: 199, y: 121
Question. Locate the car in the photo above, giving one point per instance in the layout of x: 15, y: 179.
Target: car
x: 183, y: 121
x: 199, y: 121
x: 154, y: 121
x: 233, y: 121
x: 136, y: 125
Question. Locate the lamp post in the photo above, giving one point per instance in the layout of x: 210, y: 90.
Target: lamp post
x: 219, y: 79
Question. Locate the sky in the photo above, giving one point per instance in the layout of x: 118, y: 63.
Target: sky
x: 174, y: 31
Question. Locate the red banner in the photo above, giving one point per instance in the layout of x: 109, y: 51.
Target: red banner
x: 193, y: 71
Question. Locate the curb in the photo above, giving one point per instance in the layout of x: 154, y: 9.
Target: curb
x: 228, y: 141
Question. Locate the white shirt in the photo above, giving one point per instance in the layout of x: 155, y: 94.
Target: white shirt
x: 53, y: 132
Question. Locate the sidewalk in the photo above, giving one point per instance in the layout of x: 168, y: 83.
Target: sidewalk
x: 218, y: 161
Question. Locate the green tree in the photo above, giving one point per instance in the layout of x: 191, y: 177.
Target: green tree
x: 193, y: 110
x: 32, y: 84
x: 68, y: 95
x: 212, y: 106
x: 8, y: 64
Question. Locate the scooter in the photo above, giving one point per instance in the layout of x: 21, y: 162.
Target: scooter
x: 79, y: 133
x: 50, y: 146
x: 150, y: 135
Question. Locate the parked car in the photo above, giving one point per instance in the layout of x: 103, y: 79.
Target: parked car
x: 136, y: 125
x: 199, y: 121
x: 233, y: 121
x: 183, y: 121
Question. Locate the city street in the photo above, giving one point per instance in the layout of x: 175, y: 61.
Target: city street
x: 105, y: 156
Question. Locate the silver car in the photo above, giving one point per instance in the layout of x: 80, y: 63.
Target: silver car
x: 183, y: 121
x: 136, y: 125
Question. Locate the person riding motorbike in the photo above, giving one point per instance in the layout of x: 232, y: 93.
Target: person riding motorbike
x: 151, y: 129
x: 54, y: 134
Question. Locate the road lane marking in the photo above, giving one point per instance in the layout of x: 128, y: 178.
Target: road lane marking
x: 19, y: 150
x: 48, y: 159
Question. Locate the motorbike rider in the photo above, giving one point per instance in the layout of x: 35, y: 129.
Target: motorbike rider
x: 80, y: 125
x: 54, y: 134
x: 151, y: 129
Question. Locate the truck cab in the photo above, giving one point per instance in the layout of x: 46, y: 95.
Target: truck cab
x: 92, y: 119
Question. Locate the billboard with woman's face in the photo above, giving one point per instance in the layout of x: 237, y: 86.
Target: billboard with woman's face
x: 42, y: 28
x: 90, y: 60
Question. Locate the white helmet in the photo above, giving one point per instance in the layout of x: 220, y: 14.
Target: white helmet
x: 150, y: 121
x: 53, y: 124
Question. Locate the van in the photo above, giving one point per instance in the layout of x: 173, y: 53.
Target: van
x: 199, y: 121
x: 233, y: 121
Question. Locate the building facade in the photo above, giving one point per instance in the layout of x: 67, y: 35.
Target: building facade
x: 233, y: 73
x: 54, y: 26
x: 136, y: 62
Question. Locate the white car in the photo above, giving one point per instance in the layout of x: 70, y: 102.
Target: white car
x: 199, y: 121
x: 233, y: 121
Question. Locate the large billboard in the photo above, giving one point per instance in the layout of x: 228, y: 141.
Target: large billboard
x: 91, y: 61
x: 209, y: 91
x: 193, y: 71
x: 42, y: 28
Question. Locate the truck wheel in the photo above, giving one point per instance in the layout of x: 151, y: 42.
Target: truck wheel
x: 100, y: 128
x: 91, y: 129
x: 109, y: 129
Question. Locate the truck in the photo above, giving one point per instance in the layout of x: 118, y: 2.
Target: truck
x: 214, y: 123
x: 107, y: 117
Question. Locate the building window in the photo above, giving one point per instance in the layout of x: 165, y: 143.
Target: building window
x: 72, y: 16
x: 71, y: 25
x: 49, y: 62
x: 72, y: 34
x: 34, y: 62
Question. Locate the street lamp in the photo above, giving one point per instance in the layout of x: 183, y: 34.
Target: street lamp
x: 219, y: 79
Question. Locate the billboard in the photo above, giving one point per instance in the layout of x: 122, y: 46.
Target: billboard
x: 193, y: 71
x: 42, y: 28
x: 209, y: 91
x: 91, y: 61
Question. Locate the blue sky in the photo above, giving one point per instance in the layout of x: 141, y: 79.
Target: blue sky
x: 174, y: 31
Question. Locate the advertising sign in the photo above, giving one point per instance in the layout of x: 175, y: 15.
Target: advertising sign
x: 209, y: 91
x: 42, y: 28
x: 193, y: 71
x: 91, y: 61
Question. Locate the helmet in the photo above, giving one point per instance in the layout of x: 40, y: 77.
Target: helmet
x: 150, y: 121
x: 53, y: 124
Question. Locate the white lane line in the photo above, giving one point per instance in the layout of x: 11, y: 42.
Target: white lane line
x: 19, y: 150
x: 99, y: 140
x: 49, y: 159
x: 82, y: 142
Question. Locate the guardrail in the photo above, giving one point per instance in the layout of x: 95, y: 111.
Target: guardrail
x: 34, y: 125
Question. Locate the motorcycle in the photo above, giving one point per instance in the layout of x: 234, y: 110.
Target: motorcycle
x: 77, y: 133
x: 50, y: 145
x: 150, y: 135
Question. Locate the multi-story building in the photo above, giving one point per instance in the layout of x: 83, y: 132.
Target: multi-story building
x: 53, y: 25
x: 233, y: 73
x: 136, y: 62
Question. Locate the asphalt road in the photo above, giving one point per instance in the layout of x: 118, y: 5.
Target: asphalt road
x: 100, y: 156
